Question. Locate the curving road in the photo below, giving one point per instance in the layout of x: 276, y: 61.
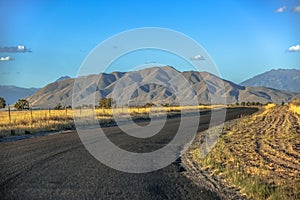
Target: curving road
x: 59, y: 167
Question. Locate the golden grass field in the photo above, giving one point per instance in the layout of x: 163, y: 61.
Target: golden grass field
x: 258, y: 154
x: 31, y: 121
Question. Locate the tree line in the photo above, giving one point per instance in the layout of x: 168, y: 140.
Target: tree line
x: 23, y: 104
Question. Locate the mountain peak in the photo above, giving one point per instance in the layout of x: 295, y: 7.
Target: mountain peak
x: 169, y: 67
x: 62, y: 78
x: 281, y: 79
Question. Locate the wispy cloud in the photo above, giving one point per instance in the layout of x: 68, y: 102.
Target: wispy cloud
x: 14, y: 49
x: 294, y: 48
x: 198, y: 57
x: 296, y: 9
x: 281, y: 9
x: 6, y: 58
x: 151, y: 62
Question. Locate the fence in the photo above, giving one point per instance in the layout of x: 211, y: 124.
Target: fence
x: 29, y: 121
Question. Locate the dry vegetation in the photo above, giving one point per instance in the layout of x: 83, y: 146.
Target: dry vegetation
x: 295, y: 106
x: 26, y: 122
x: 31, y: 121
x: 259, y: 154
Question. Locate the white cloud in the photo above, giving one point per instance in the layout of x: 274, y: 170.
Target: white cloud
x: 198, y: 57
x: 296, y: 9
x: 294, y: 48
x: 21, y: 47
x: 14, y: 49
x: 281, y: 9
x: 5, y: 58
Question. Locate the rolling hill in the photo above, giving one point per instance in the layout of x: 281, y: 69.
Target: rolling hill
x: 281, y: 79
x: 201, y: 82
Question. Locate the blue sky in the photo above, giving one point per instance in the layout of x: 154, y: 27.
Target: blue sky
x: 243, y: 37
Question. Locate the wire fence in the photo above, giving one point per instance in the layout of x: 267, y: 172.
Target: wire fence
x: 14, y: 122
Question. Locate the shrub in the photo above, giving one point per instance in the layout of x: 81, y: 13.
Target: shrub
x: 2, y: 102
x: 58, y: 106
x: 105, y: 103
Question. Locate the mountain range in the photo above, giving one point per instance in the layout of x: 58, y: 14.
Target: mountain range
x: 202, y: 83
x: 281, y: 79
x: 11, y: 94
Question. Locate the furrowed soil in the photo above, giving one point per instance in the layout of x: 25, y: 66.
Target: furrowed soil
x: 255, y: 157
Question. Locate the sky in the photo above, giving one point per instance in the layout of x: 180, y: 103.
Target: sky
x: 41, y: 41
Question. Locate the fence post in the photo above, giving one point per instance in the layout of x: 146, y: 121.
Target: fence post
x: 31, y: 117
x: 9, y: 115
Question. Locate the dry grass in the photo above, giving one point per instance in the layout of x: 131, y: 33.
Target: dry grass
x: 31, y: 121
x: 295, y: 106
x: 260, y: 154
x: 26, y: 122
x: 270, y: 105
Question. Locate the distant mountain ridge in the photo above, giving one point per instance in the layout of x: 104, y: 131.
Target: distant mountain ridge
x: 11, y: 94
x: 281, y: 79
x: 201, y: 82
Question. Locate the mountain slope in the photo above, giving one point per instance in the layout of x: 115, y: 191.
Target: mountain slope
x: 281, y: 79
x: 158, y: 85
x: 11, y: 94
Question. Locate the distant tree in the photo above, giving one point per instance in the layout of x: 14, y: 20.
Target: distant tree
x: 282, y: 103
x: 2, y: 102
x: 22, y: 104
x: 69, y: 107
x: 243, y: 103
x: 257, y: 103
x: 237, y: 104
x: 58, y: 106
x: 105, y: 102
x: 148, y: 105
